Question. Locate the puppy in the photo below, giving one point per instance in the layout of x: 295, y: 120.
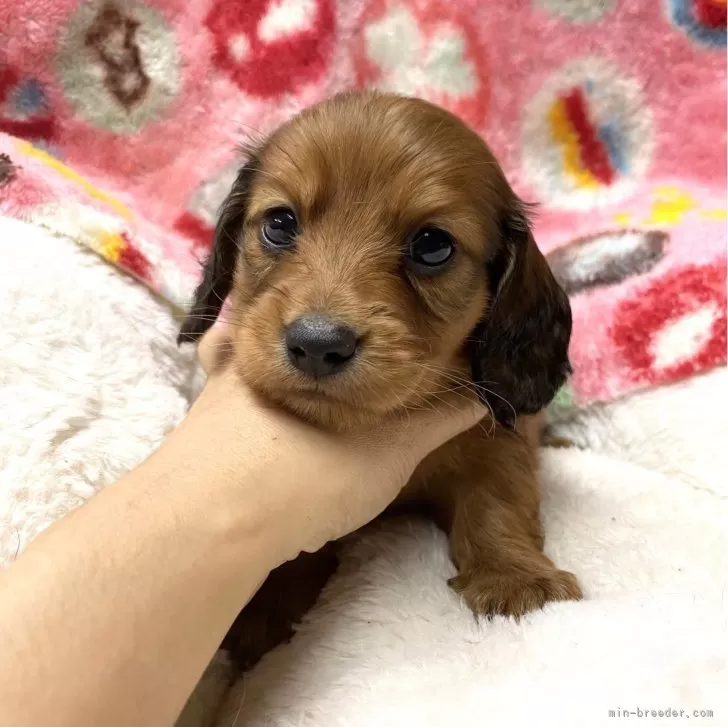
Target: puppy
x: 375, y: 259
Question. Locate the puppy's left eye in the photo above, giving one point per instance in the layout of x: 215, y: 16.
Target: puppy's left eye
x: 430, y: 249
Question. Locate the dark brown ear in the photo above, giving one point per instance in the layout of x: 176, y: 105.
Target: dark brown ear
x: 217, y: 274
x: 520, y: 350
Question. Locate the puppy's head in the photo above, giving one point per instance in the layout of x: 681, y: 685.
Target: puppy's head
x: 376, y: 258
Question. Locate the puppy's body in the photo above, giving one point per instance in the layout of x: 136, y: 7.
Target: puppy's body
x: 377, y: 260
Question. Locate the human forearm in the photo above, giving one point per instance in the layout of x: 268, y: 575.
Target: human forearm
x: 110, y: 617
x: 114, y: 612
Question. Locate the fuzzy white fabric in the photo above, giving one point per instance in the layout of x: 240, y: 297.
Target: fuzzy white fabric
x: 640, y: 515
x: 91, y: 379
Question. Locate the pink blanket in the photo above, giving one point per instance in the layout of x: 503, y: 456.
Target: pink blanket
x: 121, y: 119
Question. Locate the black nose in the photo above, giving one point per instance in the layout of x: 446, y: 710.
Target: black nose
x: 319, y: 346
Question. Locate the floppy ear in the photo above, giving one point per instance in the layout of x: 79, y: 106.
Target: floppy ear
x: 217, y: 275
x: 520, y: 349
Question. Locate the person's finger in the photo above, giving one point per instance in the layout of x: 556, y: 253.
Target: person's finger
x: 414, y: 435
x: 424, y: 431
x: 215, y: 348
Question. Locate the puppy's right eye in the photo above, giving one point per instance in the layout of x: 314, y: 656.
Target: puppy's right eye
x: 279, y: 228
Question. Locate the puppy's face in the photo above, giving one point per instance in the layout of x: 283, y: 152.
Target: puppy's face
x: 377, y: 259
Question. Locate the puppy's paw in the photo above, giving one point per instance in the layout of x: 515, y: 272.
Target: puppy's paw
x: 490, y: 593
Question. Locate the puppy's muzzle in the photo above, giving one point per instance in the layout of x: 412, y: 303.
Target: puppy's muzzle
x: 319, y: 346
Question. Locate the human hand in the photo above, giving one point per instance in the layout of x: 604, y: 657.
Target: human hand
x: 320, y: 486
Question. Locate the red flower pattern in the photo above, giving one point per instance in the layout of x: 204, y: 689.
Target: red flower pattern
x: 195, y: 230
x: 640, y: 321
x: 270, y: 47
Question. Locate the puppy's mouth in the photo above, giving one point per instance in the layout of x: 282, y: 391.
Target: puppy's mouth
x: 349, y: 397
x: 313, y: 391
x: 328, y: 374
x: 337, y: 402
x: 345, y: 385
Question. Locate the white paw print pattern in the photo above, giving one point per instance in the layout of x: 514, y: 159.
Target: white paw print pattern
x: 411, y: 64
x: 418, y: 49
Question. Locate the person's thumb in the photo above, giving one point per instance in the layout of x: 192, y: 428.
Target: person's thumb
x: 422, y: 432
x: 215, y: 348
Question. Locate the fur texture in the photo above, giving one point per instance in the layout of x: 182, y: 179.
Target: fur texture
x: 638, y: 509
x: 363, y: 173
x: 359, y: 177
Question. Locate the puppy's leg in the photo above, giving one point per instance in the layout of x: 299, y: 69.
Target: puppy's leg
x: 280, y: 603
x: 496, y: 539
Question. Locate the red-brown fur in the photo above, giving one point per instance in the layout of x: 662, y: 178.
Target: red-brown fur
x: 363, y: 172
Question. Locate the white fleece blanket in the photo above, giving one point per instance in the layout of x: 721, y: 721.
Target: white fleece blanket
x: 90, y: 380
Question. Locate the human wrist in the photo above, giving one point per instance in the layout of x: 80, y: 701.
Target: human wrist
x: 224, y: 467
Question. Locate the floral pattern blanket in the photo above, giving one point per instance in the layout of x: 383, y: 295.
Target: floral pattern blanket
x: 119, y: 122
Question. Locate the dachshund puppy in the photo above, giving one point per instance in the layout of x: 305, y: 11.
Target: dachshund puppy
x: 376, y: 259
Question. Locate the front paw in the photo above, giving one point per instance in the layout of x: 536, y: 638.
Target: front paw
x: 491, y: 593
